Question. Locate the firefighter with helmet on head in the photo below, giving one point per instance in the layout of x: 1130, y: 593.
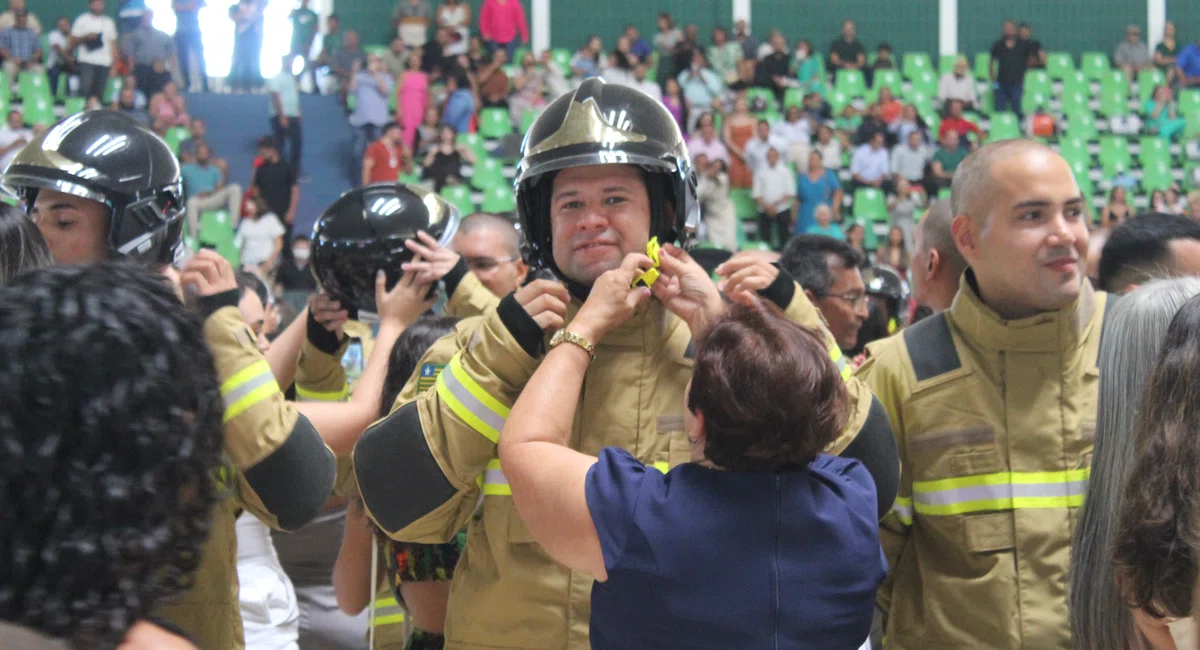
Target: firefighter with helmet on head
x: 605, y: 175
x: 99, y: 187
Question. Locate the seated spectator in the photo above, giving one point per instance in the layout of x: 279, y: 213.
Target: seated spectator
x: 623, y: 58
x: 275, y: 182
x: 435, y: 56
x: 909, y: 159
x: 556, y: 78
x: 775, y: 193
x: 829, y: 147
x: 870, y: 166
x: 765, y: 48
x: 1162, y: 113
x: 908, y: 123
x: 477, y: 54
x: 492, y: 81
x: 796, y: 130
x: 890, y: 108
x: 872, y: 124
x: 954, y: 121
x: 676, y: 103
x: 151, y: 53
x: 944, y: 162
x: 427, y: 133
x: 643, y: 84
x: 612, y: 71
x: 1132, y: 55
x: 21, y: 47
x: 460, y: 102
x: 529, y: 88
x: 59, y: 60
x: 847, y: 53
x: 704, y: 141
x: 883, y: 61
x: 701, y: 86
x: 806, y: 66
x: 1116, y: 209
x: 687, y: 47
x: 586, y: 62
x: 772, y: 70
x: 260, y: 238
x: 723, y: 55
x: 763, y: 140
x: 13, y: 137
x: 1187, y: 65
x: 893, y: 253
x: 816, y: 186
x: 856, y: 237
x: 387, y: 157
x: 958, y: 85
x: 817, y: 109
x: 823, y: 224
x: 640, y: 47
x: 9, y: 18
x: 1035, y: 55
x: 904, y: 207
x: 444, y: 161
x: 196, y: 132
x: 169, y: 105
x: 141, y: 99
x: 716, y: 206
x: 745, y: 76
x: 205, y: 183
x: 455, y: 15
x: 295, y: 275
x: 395, y: 59
x: 1165, y: 52
x: 347, y: 61
x: 127, y: 103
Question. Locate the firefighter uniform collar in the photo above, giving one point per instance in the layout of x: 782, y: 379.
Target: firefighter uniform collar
x: 1053, y: 331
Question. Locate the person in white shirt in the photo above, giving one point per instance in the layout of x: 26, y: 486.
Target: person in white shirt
x: 797, y: 132
x: 13, y: 137
x: 260, y: 236
x: 829, y: 146
x: 775, y: 193
x: 645, y: 85
x: 716, y: 204
x: 705, y: 141
x: 870, y: 165
x: 958, y: 84
x: 9, y: 18
x: 94, y: 35
x: 58, y: 53
x: 756, y: 148
x: 909, y: 159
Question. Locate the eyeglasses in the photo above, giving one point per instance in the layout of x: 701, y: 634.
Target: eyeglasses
x: 480, y: 264
x: 856, y: 299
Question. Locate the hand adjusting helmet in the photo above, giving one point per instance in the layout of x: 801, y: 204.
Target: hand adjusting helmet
x: 363, y: 232
x: 109, y: 158
x: 606, y: 124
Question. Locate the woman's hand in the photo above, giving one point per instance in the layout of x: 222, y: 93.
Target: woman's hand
x: 405, y: 303
x: 433, y: 262
x: 686, y: 290
x: 745, y: 273
x: 612, y: 301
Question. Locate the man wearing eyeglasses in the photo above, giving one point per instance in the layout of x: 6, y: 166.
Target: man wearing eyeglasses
x: 828, y: 269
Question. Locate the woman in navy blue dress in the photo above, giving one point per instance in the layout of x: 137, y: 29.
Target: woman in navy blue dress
x: 760, y: 541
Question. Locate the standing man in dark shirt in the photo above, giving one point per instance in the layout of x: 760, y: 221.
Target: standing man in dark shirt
x: 1007, y: 69
x: 1035, y: 56
x: 847, y: 53
x: 686, y: 47
x: 188, y: 43
x: 433, y: 53
x: 275, y: 182
x: 772, y: 71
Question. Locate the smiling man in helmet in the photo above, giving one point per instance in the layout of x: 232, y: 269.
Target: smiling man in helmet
x: 605, y: 173
x: 101, y: 187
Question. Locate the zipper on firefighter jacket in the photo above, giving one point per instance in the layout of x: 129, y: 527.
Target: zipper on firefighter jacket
x: 775, y: 556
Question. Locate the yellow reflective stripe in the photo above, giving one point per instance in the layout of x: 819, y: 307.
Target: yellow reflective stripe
x: 305, y: 395
x: 389, y: 619
x: 1002, y: 478
x: 903, y: 509
x: 839, y: 360
x: 247, y: 387
x: 661, y: 466
x: 986, y: 505
x: 386, y: 602
x: 470, y: 402
x: 388, y: 611
x: 1000, y: 491
x: 492, y: 481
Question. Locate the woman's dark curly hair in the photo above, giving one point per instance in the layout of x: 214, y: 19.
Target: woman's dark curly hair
x: 771, y: 397
x: 21, y: 244
x: 408, y: 350
x: 110, y: 433
x: 1156, y: 539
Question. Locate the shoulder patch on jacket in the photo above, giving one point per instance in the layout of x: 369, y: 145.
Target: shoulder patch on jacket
x: 428, y: 375
x: 931, y: 348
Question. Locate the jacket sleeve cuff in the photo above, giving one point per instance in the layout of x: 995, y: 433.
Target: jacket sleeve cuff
x: 521, y: 326
x: 455, y: 276
x: 209, y: 305
x: 782, y: 290
x: 320, y: 338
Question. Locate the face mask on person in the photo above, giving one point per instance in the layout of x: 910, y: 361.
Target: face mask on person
x: 300, y: 254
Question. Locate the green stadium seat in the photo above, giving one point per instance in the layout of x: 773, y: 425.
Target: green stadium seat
x: 111, y: 90
x: 851, y: 82
x: 1076, y: 81
x: 773, y: 117
x: 1094, y: 64
x: 890, y: 79
x: 1114, y: 155
x: 983, y: 62
x: 1074, y: 148
x: 351, y: 102
x: 870, y: 204
x: 915, y: 63
x: 175, y: 135
x: 1193, y: 124
x: 489, y: 173
x: 1059, y: 64
x: 1038, y: 80
x: 1082, y: 125
x: 870, y: 239
x: 793, y: 97
x: 946, y: 64
x: 520, y: 53
x: 1033, y: 99
x: 38, y: 110
x: 744, y: 204
x: 1114, y: 99
x: 376, y: 50
x: 838, y: 100
x: 944, y: 194
x: 1114, y: 77
x: 1082, y: 172
x: 1189, y: 100
x: 499, y: 199
x: 766, y: 95
x: 495, y: 123
x: 1156, y: 175
x: 31, y: 84
x: 1154, y: 148
x: 1148, y: 80
x: 1074, y: 101
x: 216, y: 232
x: 73, y: 105
x: 921, y: 99
x: 410, y: 178
x: 6, y: 87
x: 933, y: 120
x: 925, y: 81
x: 460, y: 197
x: 527, y: 119
x: 562, y: 57
x: 1004, y: 126
x: 474, y: 142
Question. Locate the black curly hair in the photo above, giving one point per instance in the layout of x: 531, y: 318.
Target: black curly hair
x: 110, y: 434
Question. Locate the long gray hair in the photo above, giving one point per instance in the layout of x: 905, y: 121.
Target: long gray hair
x: 1133, y: 334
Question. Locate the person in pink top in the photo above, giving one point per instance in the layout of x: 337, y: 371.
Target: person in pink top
x: 500, y: 21
x: 413, y: 97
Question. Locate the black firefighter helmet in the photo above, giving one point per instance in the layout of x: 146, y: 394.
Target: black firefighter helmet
x: 601, y: 124
x: 363, y: 232
x: 886, y: 284
x: 109, y: 158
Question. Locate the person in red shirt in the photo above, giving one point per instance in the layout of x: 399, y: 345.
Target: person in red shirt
x: 500, y: 21
x: 387, y: 157
x: 954, y: 121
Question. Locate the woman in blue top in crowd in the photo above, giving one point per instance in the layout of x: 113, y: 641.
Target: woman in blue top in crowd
x: 760, y: 541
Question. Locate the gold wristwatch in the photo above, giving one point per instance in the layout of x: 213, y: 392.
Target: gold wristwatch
x: 567, y: 336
